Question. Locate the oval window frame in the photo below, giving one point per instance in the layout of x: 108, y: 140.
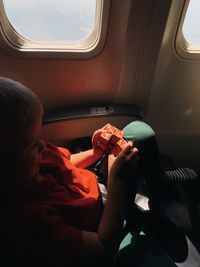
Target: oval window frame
x: 17, y: 45
x: 183, y: 47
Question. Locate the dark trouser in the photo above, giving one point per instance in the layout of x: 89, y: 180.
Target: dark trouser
x: 139, y: 249
x: 164, y: 232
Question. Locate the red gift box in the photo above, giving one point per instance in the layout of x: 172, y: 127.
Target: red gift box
x: 119, y: 146
x: 113, y: 138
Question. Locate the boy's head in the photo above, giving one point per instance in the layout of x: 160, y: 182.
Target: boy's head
x: 20, y: 122
x: 18, y: 106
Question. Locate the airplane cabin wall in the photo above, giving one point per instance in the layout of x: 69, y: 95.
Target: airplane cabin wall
x: 75, y: 81
x: 122, y: 72
x: 138, y: 64
x: 174, y: 103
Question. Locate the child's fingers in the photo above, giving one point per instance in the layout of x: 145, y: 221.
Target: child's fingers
x: 130, y: 153
x: 134, y: 150
x: 129, y: 149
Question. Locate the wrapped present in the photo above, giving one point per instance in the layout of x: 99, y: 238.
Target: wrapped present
x: 119, y: 146
x: 109, y: 128
x: 104, y: 138
x: 104, y: 141
x: 116, y: 136
x: 112, y: 138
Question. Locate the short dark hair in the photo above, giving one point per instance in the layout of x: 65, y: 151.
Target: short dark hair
x: 18, y: 105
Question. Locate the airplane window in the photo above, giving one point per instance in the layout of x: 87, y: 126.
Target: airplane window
x: 50, y: 21
x: 49, y: 25
x: 191, y: 26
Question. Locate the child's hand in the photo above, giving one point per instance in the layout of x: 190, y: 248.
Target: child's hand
x: 125, y: 164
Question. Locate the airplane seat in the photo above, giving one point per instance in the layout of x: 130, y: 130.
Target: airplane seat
x: 162, y: 221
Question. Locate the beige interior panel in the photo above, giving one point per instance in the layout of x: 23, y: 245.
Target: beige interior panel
x: 174, y: 103
x: 63, y: 132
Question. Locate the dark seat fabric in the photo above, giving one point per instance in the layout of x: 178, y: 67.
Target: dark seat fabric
x: 142, y: 251
x: 173, y: 200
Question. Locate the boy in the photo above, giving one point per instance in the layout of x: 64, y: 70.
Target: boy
x: 50, y: 203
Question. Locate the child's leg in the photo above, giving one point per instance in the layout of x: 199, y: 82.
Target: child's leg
x: 168, y: 194
x: 138, y: 249
x: 143, y: 137
x: 149, y: 171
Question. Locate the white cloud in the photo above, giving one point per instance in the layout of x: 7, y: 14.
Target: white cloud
x: 51, y: 19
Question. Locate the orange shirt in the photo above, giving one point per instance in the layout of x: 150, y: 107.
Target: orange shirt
x: 44, y: 222
x: 80, y: 188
